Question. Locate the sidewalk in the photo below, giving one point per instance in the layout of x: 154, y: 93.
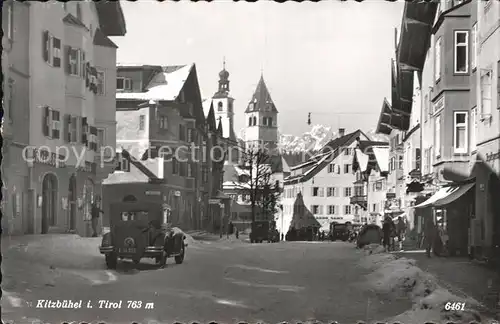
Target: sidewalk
x: 461, y: 276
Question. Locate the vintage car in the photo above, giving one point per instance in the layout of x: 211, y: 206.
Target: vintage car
x: 260, y: 231
x: 339, y: 231
x: 141, y: 230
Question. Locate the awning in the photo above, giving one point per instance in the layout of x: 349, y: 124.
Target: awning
x: 362, y: 159
x: 459, y: 192
x: 382, y: 157
x: 440, y: 194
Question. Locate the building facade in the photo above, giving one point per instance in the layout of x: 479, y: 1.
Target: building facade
x: 326, y: 184
x: 60, y: 151
x: 160, y: 118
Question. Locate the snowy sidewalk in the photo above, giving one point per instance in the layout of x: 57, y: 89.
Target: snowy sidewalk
x: 432, y: 301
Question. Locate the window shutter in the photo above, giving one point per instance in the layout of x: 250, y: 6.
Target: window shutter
x: 67, y: 55
x: 45, y: 121
x: 45, y: 46
x: 84, y: 130
x: 67, y: 128
x: 93, y: 139
x: 56, y: 133
x: 82, y: 65
x: 56, y: 43
x: 87, y: 74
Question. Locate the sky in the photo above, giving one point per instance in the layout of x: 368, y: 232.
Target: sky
x: 329, y: 58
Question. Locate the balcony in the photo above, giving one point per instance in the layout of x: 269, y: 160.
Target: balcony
x: 360, y: 200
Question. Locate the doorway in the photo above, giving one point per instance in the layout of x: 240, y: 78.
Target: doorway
x: 49, y: 202
x: 72, y: 203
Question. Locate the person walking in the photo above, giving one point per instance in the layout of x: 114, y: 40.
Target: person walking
x: 430, y: 236
x: 401, y: 231
x: 387, y: 229
x: 96, y: 211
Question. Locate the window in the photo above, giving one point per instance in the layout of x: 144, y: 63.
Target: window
x: 331, y: 167
x: 249, y: 121
x: 347, y: 168
x: 473, y: 125
x: 163, y: 122
x: 123, y: 163
x: 486, y: 93
x: 190, y: 135
x: 175, y: 166
x: 10, y: 100
x: 374, y: 208
x: 123, y: 84
x: 190, y: 172
x: 347, y: 192
x: 474, y: 46
x: 437, y: 135
x: 100, y: 83
x: 461, y: 57
x: 317, y: 192
x: 51, y: 123
x: 316, y: 209
x: 401, y: 162
x: 330, y: 192
x: 347, y: 151
x: 437, y: 60
x: 100, y: 138
x: 347, y: 210
x: 331, y: 210
x: 10, y: 20
x: 182, y: 133
x: 142, y: 122
x: 460, y: 132
x: 219, y: 106
x: 134, y: 216
x: 74, y: 61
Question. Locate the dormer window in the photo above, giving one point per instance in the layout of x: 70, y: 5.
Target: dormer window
x: 123, y: 163
x: 251, y: 106
x: 123, y: 83
x: 219, y: 106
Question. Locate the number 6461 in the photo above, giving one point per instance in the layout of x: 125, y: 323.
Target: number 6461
x: 454, y: 306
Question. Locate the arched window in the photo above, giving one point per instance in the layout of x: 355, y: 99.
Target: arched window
x: 219, y: 106
x: 254, y: 120
x: 270, y: 121
x: 249, y: 121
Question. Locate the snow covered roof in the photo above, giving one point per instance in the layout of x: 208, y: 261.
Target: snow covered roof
x: 164, y: 86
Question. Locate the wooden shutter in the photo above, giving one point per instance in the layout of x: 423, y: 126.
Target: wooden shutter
x: 67, y: 55
x: 45, y: 45
x: 67, y: 128
x: 82, y: 64
x: 84, y: 131
x: 56, y: 44
x: 45, y: 121
x: 87, y: 74
x: 93, y: 139
x: 56, y: 133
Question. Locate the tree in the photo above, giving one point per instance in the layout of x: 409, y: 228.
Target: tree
x: 259, y: 186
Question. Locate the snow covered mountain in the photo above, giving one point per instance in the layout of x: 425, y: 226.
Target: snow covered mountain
x: 314, y: 139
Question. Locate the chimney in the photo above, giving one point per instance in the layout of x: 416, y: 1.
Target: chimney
x: 341, y: 132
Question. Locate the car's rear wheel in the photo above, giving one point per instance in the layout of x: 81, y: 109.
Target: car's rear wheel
x: 180, y: 258
x: 111, y: 260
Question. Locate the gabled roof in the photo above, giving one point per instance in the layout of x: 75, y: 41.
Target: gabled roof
x: 332, y: 150
x: 72, y: 20
x: 111, y: 18
x: 211, y: 119
x: 261, y: 99
x: 139, y: 173
x: 377, y: 156
x: 102, y: 40
x: 165, y: 86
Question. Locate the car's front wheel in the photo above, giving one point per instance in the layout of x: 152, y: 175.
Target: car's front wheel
x: 111, y: 260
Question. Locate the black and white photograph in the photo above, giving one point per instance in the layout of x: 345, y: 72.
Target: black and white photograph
x: 250, y: 162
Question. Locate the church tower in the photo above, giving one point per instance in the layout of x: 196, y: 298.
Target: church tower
x: 261, y: 118
x: 223, y: 108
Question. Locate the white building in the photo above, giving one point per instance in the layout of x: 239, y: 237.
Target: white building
x: 326, y: 183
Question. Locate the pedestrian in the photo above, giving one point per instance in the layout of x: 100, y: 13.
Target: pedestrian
x: 429, y: 235
x: 386, y: 229
x: 237, y: 233
x: 96, y: 211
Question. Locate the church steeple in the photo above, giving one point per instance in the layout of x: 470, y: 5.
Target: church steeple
x: 223, y: 81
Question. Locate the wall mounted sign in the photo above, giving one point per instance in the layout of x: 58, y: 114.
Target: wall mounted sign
x: 390, y: 195
x: 438, y: 105
x: 152, y: 193
x: 492, y: 156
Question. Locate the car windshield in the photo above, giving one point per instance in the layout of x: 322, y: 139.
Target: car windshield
x: 134, y: 215
x: 340, y: 227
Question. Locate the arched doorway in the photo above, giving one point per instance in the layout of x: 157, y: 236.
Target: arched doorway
x: 72, y: 202
x: 49, y: 202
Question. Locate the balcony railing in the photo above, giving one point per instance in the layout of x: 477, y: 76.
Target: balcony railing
x: 359, y: 200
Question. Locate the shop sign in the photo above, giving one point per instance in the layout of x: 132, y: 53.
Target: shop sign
x: 438, y: 105
x: 214, y: 201
x: 49, y: 158
x: 152, y: 193
x: 492, y: 156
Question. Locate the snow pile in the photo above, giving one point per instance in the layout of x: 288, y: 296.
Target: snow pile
x: 400, y: 277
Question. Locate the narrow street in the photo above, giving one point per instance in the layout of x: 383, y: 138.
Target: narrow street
x: 221, y: 281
